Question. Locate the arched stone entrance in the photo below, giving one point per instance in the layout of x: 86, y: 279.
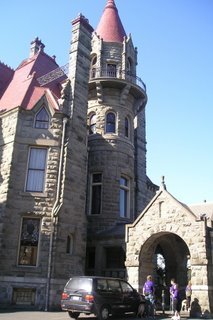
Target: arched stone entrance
x: 167, y: 227
x: 175, y: 253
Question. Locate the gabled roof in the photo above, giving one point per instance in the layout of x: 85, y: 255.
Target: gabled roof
x: 24, y: 89
x: 110, y: 27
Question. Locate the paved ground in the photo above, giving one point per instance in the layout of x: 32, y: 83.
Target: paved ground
x: 35, y: 315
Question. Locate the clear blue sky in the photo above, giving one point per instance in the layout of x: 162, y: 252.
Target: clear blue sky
x: 175, y: 60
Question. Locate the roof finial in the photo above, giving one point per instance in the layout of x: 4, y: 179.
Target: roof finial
x: 163, y: 185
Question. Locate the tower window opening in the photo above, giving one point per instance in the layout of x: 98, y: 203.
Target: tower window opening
x: 92, y: 124
x: 124, y: 198
x: 93, y: 67
x: 96, y: 193
x: 111, y: 70
x: 70, y: 244
x: 127, y: 127
x: 110, y: 122
x: 129, y: 66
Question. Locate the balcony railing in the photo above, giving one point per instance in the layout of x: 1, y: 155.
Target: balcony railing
x: 123, y: 75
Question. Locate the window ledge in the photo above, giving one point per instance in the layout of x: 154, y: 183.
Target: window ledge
x: 33, y: 194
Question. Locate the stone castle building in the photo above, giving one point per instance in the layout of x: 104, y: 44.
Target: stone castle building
x: 73, y: 174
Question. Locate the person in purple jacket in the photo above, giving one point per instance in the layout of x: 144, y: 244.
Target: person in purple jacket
x: 175, y: 299
x: 148, y: 292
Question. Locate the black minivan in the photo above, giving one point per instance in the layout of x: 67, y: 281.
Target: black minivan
x: 100, y: 296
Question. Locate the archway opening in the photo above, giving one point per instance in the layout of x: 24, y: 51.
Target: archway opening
x: 165, y: 256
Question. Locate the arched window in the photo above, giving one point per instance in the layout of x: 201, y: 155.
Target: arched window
x: 70, y: 242
x: 126, y: 128
x: 92, y: 124
x: 42, y: 119
x: 93, y: 67
x: 110, y: 122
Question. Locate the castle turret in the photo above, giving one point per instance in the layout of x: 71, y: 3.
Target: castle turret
x: 116, y: 122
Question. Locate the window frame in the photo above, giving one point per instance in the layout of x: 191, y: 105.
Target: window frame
x: 27, y: 189
x: 92, y: 125
x: 108, y: 123
x: 42, y: 121
x: 70, y: 244
x: 127, y: 127
x: 93, y: 185
x: 124, y: 201
x: 21, y: 245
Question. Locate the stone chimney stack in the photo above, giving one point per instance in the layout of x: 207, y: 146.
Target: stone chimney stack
x: 36, y: 45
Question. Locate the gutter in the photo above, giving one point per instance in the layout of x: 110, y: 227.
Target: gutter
x: 56, y: 207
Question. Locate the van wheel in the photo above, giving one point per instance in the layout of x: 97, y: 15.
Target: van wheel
x: 104, y: 313
x: 73, y: 315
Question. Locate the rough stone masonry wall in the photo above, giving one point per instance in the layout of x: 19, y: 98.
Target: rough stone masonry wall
x: 176, y: 220
x: 26, y: 204
x: 7, y: 133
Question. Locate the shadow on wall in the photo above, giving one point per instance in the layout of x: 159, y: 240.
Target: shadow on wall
x: 196, y: 312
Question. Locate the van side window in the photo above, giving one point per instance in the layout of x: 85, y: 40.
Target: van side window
x: 101, y: 285
x: 114, y: 285
x: 126, y: 287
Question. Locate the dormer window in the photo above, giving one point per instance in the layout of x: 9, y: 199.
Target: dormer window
x: 42, y: 119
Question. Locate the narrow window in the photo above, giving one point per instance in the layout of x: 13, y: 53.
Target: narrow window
x: 36, y: 170
x: 42, y: 119
x: 124, y: 197
x: 28, y: 249
x: 110, y: 122
x: 93, y: 67
x: 92, y: 124
x: 111, y: 70
x: 96, y: 193
x: 69, y: 247
x: 126, y: 127
x: 129, y: 66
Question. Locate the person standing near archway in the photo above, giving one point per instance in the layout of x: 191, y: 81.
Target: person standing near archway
x: 148, y: 292
x: 175, y: 299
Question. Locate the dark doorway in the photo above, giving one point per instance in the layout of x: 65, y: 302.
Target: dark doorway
x: 165, y: 256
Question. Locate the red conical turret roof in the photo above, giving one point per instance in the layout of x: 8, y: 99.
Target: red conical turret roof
x: 110, y: 27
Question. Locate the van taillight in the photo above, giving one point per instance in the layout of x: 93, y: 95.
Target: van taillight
x: 89, y: 298
x: 64, y: 296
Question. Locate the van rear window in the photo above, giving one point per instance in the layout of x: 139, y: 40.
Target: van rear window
x: 78, y: 284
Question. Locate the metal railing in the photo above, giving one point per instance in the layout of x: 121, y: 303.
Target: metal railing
x: 123, y: 75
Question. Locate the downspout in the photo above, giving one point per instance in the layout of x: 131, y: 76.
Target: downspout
x: 56, y: 207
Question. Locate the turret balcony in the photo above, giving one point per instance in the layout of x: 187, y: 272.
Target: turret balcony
x: 107, y: 74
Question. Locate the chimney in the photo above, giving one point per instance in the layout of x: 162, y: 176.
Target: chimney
x: 36, y: 45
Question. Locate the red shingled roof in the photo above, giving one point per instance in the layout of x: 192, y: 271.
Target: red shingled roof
x: 24, y: 90
x: 110, y: 27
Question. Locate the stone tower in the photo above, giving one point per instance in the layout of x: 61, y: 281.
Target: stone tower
x: 117, y: 188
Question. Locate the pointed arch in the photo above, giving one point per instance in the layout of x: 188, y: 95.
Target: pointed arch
x: 42, y: 119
